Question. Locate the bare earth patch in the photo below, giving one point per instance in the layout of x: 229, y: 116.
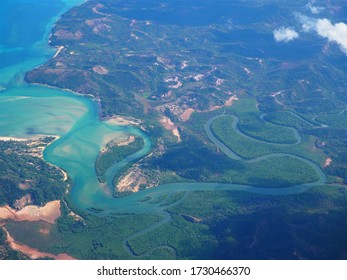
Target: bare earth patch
x: 27, y: 184
x: 22, y: 202
x: 186, y: 114
x: 126, y: 142
x: 99, y: 6
x: 48, y: 213
x: 175, y: 80
x: 75, y: 216
x: 328, y: 162
x: 192, y: 218
x: 100, y: 70
x: 169, y: 125
x: 44, y: 231
x: 219, y: 82
x: 131, y: 182
x: 60, y: 48
x: 119, y: 120
x: 130, y: 140
x: 229, y: 102
x: 184, y: 64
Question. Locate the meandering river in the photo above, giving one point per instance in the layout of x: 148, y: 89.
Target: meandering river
x: 31, y: 110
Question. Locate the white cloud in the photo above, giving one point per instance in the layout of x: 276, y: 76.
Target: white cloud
x: 229, y: 24
x: 285, y: 34
x: 307, y: 23
x: 333, y: 32
x: 336, y: 33
x: 313, y: 8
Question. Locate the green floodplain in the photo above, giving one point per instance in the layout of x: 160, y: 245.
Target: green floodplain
x: 244, y: 183
x: 283, y: 171
x: 76, y: 150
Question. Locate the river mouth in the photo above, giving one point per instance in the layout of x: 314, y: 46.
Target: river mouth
x: 30, y: 110
x: 75, y: 120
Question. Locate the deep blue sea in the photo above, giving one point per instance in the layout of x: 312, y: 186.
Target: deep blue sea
x: 24, y: 31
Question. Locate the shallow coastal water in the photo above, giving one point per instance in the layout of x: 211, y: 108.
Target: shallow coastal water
x: 27, y: 111
x: 25, y: 26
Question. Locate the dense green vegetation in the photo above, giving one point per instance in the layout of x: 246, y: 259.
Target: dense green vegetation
x: 248, y: 149
x: 133, y: 67
x: 336, y: 120
x: 114, y: 153
x: 253, y: 126
x: 135, y: 72
x: 23, y: 174
x: 92, y: 237
x: 289, y: 119
x: 193, y: 162
x: 189, y: 160
x: 6, y: 253
x: 165, y: 200
x: 332, y: 142
x: 247, y: 226
x: 207, y: 225
x: 271, y: 173
x: 191, y: 240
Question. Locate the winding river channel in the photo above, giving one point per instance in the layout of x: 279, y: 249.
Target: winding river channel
x: 30, y: 110
x: 33, y: 110
x: 27, y: 111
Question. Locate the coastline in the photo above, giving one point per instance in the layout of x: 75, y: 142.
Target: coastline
x: 121, y: 120
x: 51, y: 210
x: 16, y: 139
x: 46, y: 40
x: 38, y: 150
x: 35, y: 137
x: 89, y: 95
